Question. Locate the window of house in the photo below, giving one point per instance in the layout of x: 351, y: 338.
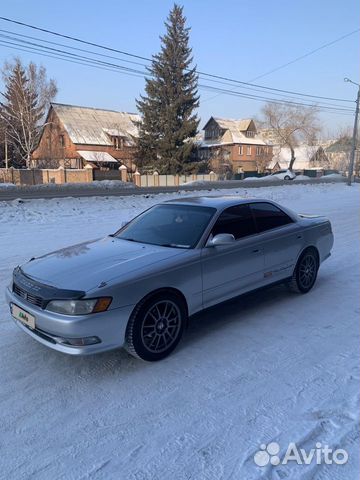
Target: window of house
x: 62, y: 140
x: 248, y: 150
x: 240, y: 149
x: 237, y: 221
x: 268, y: 216
x: 258, y: 151
x: 118, y: 143
x: 250, y: 133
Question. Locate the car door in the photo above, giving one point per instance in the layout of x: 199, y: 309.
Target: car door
x: 281, y: 237
x: 229, y: 270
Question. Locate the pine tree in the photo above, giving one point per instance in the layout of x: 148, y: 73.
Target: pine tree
x: 25, y: 98
x: 168, y: 119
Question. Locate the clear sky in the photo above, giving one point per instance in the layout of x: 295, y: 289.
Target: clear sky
x: 237, y: 39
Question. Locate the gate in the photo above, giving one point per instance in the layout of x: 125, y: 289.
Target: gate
x: 106, y: 174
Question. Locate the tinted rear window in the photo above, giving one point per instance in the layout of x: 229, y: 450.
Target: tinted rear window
x: 268, y: 216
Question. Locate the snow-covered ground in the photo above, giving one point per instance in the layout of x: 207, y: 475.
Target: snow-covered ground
x: 269, y: 367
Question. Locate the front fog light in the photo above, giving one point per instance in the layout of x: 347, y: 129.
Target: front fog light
x: 78, y: 342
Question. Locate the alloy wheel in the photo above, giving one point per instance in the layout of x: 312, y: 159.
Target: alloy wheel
x: 160, y: 326
x: 307, y: 271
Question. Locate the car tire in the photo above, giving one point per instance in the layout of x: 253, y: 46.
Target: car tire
x: 287, y: 177
x: 305, y: 273
x: 156, y: 326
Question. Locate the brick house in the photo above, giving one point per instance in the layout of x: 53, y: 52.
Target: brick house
x: 234, y: 145
x: 74, y: 136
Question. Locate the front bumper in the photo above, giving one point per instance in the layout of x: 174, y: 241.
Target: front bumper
x: 109, y: 327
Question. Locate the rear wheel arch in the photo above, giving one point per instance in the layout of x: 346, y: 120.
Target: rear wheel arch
x: 293, y: 283
x: 306, y: 249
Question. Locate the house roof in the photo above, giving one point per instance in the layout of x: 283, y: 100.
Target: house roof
x: 242, y: 125
x: 303, y: 155
x: 98, y: 157
x: 237, y: 129
x: 95, y: 126
x: 342, y: 145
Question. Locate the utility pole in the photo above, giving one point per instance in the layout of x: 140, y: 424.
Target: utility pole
x: 354, y: 137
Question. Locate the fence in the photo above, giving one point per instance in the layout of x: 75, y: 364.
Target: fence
x: 156, y: 180
x: 40, y: 176
x: 72, y: 175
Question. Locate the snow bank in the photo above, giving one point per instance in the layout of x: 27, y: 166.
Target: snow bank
x: 104, y: 184
x: 199, y: 183
x: 266, y: 178
x: 301, y: 177
x: 107, y: 184
x: 334, y: 175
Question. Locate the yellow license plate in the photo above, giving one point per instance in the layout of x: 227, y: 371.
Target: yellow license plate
x: 24, y: 317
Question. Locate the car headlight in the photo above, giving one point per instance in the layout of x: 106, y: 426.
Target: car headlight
x: 79, y: 307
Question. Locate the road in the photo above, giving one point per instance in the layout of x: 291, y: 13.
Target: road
x: 11, y: 193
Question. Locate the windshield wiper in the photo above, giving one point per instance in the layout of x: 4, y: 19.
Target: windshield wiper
x: 174, y: 245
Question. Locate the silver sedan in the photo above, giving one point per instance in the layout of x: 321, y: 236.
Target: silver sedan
x: 137, y: 287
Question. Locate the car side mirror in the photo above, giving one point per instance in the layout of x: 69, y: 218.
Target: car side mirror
x: 221, y: 239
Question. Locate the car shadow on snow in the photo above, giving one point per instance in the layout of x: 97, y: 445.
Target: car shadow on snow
x: 238, y: 309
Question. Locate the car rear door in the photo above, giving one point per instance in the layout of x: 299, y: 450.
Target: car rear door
x: 282, y: 240
x: 229, y: 270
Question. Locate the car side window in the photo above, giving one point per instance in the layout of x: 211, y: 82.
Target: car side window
x: 268, y: 216
x: 237, y: 221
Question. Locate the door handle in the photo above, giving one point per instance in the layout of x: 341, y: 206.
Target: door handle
x: 257, y: 250
x: 299, y: 236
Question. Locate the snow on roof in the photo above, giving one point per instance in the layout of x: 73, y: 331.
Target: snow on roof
x: 212, y: 143
x: 95, y: 156
x: 94, y: 126
x: 303, y: 155
x: 341, y: 145
x: 227, y: 123
x: 237, y: 129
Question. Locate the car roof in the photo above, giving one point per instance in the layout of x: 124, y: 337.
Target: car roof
x: 218, y: 202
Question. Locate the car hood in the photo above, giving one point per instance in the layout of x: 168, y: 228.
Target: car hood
x: 86, y: 265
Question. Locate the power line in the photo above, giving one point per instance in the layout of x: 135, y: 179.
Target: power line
x: 107, y: 64
x: 72, y: 48
x: 27, y: 49
x: 345, y: 111
x: 87, y: 61
x: 69, y: 37
x: 305, y: 55
x: 20, y: 38
x: 122, y: 52
x: 59, y: 51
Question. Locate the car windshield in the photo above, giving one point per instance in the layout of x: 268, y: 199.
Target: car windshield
x: 179, y: 226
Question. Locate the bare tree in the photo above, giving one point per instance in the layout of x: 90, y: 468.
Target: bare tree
x: 220, y: 162
x: 263, y: 160
x: 25, y: 101
x: 291, y: 125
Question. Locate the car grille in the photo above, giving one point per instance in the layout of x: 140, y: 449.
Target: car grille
x: 29, y: 297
